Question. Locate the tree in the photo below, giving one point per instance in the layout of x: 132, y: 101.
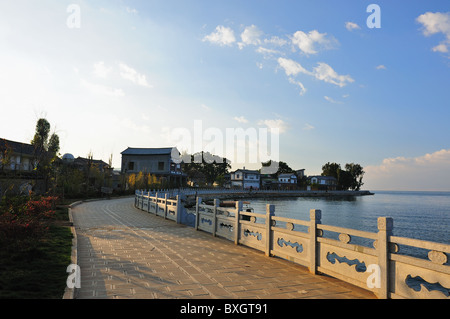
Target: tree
x: 351, y: 177
x: 40, y: 140
x: 45, y: 150
x: 345, y: 180
x: 283, y: 168
x: 132, y: 181
x: 205, y: 164
x: 331, y: 169
x: 356, y: 172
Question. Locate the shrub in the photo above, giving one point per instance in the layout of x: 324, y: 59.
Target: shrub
x: 24, y: 221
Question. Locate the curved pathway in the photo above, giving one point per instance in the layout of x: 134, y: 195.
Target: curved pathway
x: 124, y: 252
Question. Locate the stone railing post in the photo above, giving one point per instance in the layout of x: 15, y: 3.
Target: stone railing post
x: 216, y: 204
x: 270, y: 211
x: 315, y: 217
x: 165, y: 206
x: 142, y: 200
x: 236, y: 222
x: 385, y: 227
x: 179, y: 210
x: 197, y: 212
x: 148, y: 202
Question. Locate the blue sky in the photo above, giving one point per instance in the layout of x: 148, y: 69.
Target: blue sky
x: 338, y: 91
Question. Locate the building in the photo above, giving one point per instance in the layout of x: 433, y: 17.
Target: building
x: 323, y: 182
x: 156, y: 161
x: 287, y: 179
x: 17, y: 157
x: 17, y: 169
x: 84, y: 163
x: 245, y: 179
x: 300, y: 173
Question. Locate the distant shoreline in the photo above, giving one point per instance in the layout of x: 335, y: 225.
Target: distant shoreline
x: 281, y: 194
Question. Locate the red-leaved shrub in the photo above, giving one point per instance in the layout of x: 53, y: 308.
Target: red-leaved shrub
x: 24, y: 222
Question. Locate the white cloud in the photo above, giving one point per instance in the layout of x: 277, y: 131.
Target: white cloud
x: 322, y: 72
x: 102, y: 89
x: 241, y: 119
x: 350, y: 26
x: 100, y: 70
x: 308, y: 127
x: 380, y: 67
x: 440, y: 48
x: 278, y: 124
x: 291, y: 67
x: 277, y: 41
x: 268, y: 52
x: 222, y: 36
x: 308, y: 43
x: 329, y: 99
x: 326, y: 73
x: 250, y: 36
x: 299, y: 84
x: 131, y: 10
x: 427, y: 172
x: 132, y: 75
x: 434, y: 23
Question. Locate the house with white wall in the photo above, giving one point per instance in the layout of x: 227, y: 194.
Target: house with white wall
x: 287, y: 179
x: 245, y: 179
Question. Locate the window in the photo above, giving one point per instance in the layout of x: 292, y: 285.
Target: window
x: 131, y: 166
x: 160, y: 166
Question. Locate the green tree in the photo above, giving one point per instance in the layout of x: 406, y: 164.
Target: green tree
x: 205, y: 164
x: 331, y: 169
x: 350, y: 178
x: 345, y: 180
x: 356, y: 171
x: 283, y: 168
x: 45, y: 151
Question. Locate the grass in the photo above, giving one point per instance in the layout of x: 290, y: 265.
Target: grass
x: 38, y: 272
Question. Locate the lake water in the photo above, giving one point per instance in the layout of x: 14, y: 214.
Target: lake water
x: 419, y: 215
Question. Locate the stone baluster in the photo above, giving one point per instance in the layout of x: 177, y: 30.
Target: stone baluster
x: 270, y: 212
x: 315, y: 217
x: 385, y: 227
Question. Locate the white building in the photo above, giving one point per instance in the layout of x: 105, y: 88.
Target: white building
x: 245, y: 179
x: 287, y: 179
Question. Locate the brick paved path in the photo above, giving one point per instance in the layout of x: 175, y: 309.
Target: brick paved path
x: 127, y: 253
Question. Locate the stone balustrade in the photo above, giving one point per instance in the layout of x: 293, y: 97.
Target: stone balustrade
x: 377, y: 266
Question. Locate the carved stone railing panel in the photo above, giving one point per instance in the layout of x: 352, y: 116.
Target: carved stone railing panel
x: 252, y: 236
x: 346, y: 264
x: 419, y: 283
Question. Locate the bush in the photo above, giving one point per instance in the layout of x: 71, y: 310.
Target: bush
x: 24, y: 221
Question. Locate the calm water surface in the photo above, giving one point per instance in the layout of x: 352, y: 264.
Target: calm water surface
x: 419, y: 215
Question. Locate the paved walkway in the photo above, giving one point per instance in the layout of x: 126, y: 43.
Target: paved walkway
x: 127, y: 253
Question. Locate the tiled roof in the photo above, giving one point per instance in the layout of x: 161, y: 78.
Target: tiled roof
x: 148, y: 151
x: 17, y: 147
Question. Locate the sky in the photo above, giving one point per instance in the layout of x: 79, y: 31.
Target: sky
x: 323, y: 81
